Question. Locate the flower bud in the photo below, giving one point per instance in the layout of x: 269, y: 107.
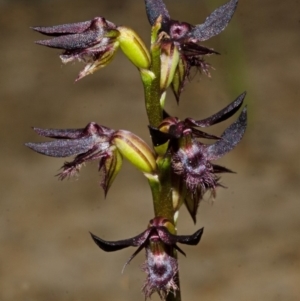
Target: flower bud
x: 135, y: 150
x: 133, y: 47
x: 169, y: 60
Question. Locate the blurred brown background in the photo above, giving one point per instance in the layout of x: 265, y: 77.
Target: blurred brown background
x: 250, y: 246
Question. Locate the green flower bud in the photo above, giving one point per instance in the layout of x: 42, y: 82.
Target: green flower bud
x: 135, y: 150
x: 133, y: 47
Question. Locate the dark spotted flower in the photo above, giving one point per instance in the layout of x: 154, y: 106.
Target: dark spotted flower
x: 95, y: 43
x: 161, y: 264
x: 92, y: 42
x: 187, y: 36
x: 194, y: 173
x: 95, y: 142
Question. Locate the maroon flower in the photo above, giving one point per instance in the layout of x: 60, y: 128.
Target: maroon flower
x: 161, y: 264
x: 186, y: 36
x: 93, y: 42
x: 90, y: 143
x: 96, y: 142
x: 194, y: 173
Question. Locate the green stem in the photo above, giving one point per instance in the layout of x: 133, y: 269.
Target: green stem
x: 152, y: 90
x: 161, y: 182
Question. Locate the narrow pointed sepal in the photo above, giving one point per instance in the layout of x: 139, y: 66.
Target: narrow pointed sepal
x: 111, y: 246
x: 156, y: 8
x: 110, y: 164
x: 179, y: 78
x: 59, y: 133
x: 191, y: 240
x: 221, y: 169
x: 229, y: 139
x: 63, y: 29
x: 192, y: 203
x: 214, y: 23
x: 220, y: 116
x: 62, y: 148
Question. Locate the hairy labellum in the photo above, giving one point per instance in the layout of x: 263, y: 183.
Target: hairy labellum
x: 161, y: 265
x: 197, y: 172
x: 161, y: 269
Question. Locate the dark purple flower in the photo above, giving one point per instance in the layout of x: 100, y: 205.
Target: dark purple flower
x: 90, y: 143
x: 93, y: 42
x: 194, y: 173
x: 186, y: 36
x: 96, y: 142
x: 161, y: 264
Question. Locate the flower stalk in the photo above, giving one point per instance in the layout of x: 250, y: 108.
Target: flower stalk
x: 178, y: 166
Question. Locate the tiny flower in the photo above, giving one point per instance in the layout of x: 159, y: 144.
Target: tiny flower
x: 194, y: 173
x: 95, y: 142
x: 93, y: 42
x: 161, y: 265
x: 186, y: 36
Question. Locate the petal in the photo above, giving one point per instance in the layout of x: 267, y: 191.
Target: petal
x: 171, y: 239
x: 229, y: 139
x: 191, y: 240
x: 221, y: 169
x: 111, y: 246
x: 214, y: 23
x: 222, y: 115
x: 156, y: 8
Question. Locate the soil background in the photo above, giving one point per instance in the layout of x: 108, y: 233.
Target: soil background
x: 250, y: 247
